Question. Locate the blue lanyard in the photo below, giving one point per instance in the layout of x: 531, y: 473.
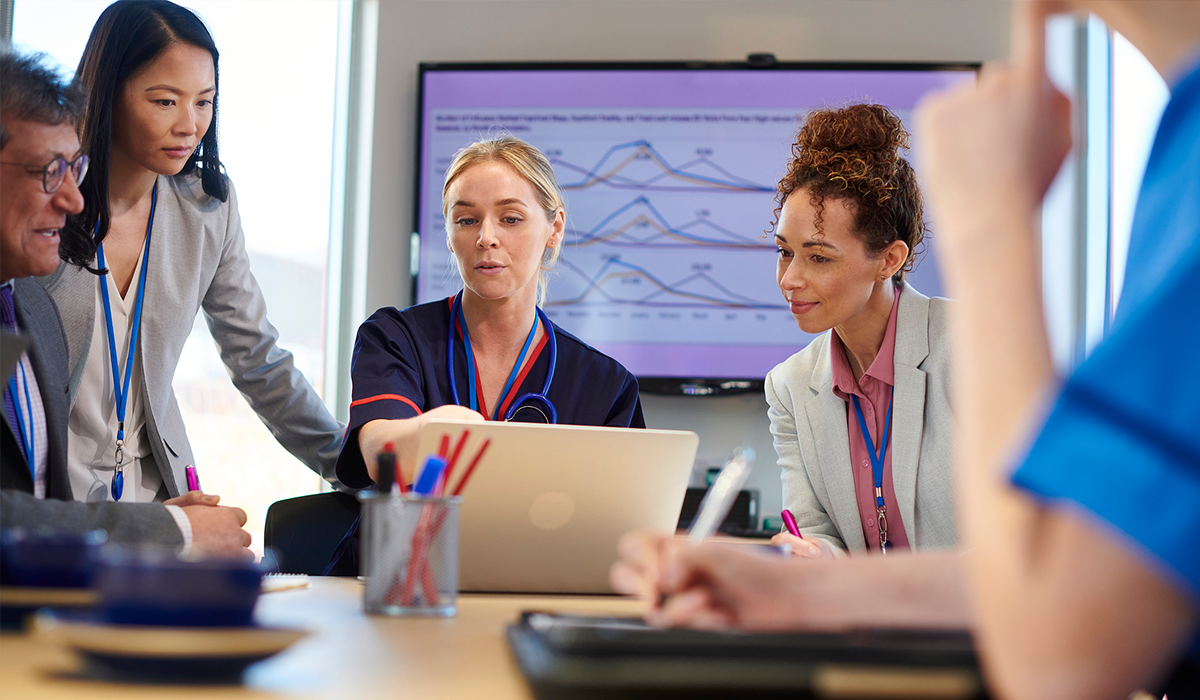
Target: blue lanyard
x: 24, y: 418
x: 512, y: 376
x: 876, y: 458
x: 121, y: 388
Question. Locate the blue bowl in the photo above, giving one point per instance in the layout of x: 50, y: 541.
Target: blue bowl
x: 144, y: 586
x: 42, y: 558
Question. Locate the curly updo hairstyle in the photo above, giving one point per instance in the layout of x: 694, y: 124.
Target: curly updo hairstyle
x: 853, y: 154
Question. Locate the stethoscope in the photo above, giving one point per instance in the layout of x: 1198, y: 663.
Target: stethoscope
x: 542, y: 398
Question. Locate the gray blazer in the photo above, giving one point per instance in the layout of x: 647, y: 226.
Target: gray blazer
x: 808, y: 423
x: 125, y: 522
x: 198, y: 261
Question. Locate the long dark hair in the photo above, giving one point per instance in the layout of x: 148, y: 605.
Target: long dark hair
x: 129, y: 35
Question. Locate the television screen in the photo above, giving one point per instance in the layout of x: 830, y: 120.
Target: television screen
x: 669, y: 173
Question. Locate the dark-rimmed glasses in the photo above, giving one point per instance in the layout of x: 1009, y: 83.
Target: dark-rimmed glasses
x: 54, y: 172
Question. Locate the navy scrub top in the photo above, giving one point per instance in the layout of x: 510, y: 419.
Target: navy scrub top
x: 399, y: 371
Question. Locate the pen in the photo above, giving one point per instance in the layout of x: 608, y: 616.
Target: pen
x: 716, y: 503
x: 789, y: 521
x: 193, y: 481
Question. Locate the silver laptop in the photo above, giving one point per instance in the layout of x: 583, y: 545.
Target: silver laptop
x: 546, y: 504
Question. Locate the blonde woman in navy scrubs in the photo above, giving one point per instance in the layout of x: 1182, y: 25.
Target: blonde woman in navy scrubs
x: 488, y: 352
x: 861, y: 418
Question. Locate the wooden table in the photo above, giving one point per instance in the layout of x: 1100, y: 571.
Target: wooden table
x: 347, y: 655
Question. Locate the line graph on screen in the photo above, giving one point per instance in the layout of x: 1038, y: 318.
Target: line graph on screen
x: 638, y: 165
x: 639, y: 224
x: 621, y: 283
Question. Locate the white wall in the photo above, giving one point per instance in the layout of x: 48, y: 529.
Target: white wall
x: 411, y: 31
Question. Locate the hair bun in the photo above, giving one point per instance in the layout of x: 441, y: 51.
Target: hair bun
x: 863, y: 127
x: 853, y: 153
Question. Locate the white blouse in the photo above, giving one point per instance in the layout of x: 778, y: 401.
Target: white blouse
x: 92, y: 438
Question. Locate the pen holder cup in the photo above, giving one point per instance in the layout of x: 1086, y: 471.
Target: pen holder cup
x: 410, y: 555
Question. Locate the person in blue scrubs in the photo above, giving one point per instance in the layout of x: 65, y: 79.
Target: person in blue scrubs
x: 1078, y: 496
x: 487, y: 353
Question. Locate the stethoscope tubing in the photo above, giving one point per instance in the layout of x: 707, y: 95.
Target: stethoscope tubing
x: 542, y: 397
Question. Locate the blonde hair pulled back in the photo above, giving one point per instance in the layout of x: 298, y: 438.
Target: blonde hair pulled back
x: 529, y: 163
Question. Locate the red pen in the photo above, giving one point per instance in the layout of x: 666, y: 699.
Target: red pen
x: 790, y: 523
x: 193, y: 481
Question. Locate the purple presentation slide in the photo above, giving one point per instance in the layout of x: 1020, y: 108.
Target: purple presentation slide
x: 669, y: 175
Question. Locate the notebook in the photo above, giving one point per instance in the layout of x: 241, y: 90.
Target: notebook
x: 544, y: 508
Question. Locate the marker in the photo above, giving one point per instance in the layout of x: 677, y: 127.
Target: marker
x: 431, y: 474
x: 193, y: 481
x: 386, y: 483
x: 789, y: 521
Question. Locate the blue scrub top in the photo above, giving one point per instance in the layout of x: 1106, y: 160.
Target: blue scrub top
x: 399, y: 371
x: 1123, y: 439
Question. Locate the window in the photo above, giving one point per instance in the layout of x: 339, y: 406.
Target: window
x: 1086, y: 220
x: 277, y: 125
x: 1139, y: 98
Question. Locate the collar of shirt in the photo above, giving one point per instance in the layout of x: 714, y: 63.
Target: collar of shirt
x: 882, y: 369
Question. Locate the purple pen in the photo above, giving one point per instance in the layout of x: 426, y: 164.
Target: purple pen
x: 789, y: 521
x: 192, y: 479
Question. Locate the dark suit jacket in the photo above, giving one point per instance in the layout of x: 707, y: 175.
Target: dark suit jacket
x: 125, y: 522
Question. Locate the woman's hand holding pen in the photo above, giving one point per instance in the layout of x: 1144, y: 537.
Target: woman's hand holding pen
x: 805, y: 549
x: 717, y: 586
x: 641, y: 571
x: 708, y: 586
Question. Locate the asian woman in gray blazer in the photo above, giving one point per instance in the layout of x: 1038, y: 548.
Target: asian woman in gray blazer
x: 160, y: 240
x: 861, y: 418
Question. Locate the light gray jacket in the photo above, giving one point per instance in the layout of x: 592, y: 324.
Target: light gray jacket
x: 198, y: 261
x: 808, y: 423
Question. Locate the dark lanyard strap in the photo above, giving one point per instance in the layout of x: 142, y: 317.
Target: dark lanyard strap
x: 121, y: 388
x: 516, y: 370
x: 876, y: 458
x: 24, y: 420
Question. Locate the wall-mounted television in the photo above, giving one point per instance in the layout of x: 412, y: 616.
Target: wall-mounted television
x: 669, y: 172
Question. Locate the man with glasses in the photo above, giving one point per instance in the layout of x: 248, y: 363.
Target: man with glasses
x: 40, y: 171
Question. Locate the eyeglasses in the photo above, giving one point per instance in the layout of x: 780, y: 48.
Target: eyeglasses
x: 54, y: 172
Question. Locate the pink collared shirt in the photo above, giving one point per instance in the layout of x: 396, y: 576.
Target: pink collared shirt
x: 874, y: 393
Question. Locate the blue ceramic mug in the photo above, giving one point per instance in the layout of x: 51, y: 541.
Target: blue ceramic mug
x: 151, y: 586
x: 43, y: 558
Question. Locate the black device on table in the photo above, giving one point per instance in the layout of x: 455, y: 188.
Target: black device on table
x: 568, y: 656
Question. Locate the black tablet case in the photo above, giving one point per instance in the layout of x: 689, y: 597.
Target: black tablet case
x: 565, y: 656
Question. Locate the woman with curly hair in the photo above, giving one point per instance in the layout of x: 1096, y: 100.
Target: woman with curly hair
x: 861, y: 418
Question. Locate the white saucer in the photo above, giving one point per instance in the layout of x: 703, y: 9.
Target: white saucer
x: 37, y: 596
x: 85, y: 633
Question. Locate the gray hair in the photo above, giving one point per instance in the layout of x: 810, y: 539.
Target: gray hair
x: 32, y: 89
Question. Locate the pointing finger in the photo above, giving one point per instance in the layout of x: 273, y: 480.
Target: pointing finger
x: 1029, y: 32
